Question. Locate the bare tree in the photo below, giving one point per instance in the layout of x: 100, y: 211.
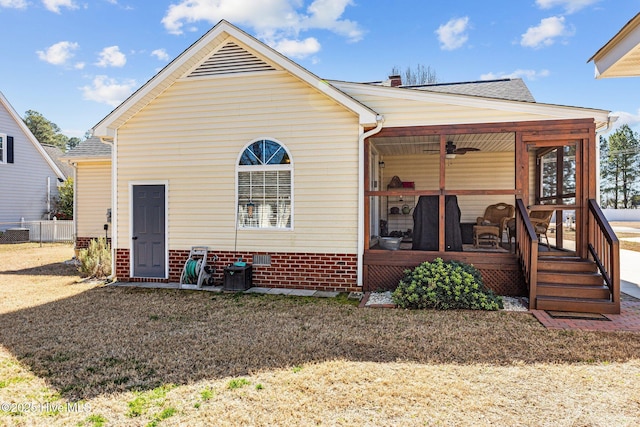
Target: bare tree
x: 419, y: 75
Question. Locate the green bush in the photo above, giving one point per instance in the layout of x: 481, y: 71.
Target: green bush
x: 444, y: 286
x: 95, y: 261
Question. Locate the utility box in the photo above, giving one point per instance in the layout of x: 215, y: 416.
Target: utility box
x: 237, y: 278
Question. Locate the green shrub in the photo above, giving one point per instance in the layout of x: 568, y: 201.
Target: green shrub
x: 95, y: 261
x: 444, y: 286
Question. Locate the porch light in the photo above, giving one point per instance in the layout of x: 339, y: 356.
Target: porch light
x: 381, y: 165
x: 450, y: 156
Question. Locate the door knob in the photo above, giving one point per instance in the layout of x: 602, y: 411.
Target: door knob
x: 134, y: 238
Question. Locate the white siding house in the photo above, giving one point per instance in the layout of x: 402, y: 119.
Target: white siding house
x: 29, y: 177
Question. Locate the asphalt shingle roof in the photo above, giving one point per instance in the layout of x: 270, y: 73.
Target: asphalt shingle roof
x: 92, y: 147
x: 508, y: 89
x: 56, y: 155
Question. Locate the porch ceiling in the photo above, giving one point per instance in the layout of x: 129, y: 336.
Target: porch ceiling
x: 428, y: 144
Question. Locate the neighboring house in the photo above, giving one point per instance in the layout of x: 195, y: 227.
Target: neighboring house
x: 235, y: 147
x: 57, y: 155
x: 620, y: 56
x: 29, y: 176
x: 91, y: 165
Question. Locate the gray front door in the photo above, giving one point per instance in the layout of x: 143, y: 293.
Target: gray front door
x: 148, y: 234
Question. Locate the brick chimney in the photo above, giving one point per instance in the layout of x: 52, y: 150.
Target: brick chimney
x: 395, y: 81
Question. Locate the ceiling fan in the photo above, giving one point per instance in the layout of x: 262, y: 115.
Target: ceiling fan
x: 452, y: 150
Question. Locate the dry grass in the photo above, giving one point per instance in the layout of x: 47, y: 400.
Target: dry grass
x: 157, y: 357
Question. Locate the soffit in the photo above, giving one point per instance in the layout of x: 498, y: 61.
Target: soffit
x: 429, y: 145
x: 620, y: 56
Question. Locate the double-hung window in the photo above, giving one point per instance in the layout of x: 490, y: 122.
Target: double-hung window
x: 264, y: 177
x: 6, y: 148
x: 3, y: 148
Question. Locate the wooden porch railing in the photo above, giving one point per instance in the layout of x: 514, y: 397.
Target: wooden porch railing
x: 527, y: 250
x: 604, y: 247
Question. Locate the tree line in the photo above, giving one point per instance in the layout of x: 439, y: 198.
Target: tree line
x: 620, y: 169
x: 47, y: 132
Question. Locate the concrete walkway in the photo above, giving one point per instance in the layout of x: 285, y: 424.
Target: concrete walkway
x: 630, y: 273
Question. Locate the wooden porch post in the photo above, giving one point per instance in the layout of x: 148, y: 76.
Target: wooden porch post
x: 522, y: 169
x: 441, y: 204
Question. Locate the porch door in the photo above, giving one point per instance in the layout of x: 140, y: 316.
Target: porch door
x: 148, y: 233
x: 557, y: 189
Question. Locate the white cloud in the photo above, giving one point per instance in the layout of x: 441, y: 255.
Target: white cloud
x: 625, y: 118
x: 297, y: 48
x: 545, y: 33
x: 59, y: 53
x: 517, y: 74
x: 13, y: 4
x: 453, y: 34
x: 278, y: 22
x: 55, y: 5
x: 161, y: 54
x: 111, y: 57
x: 108, y: 91
x: 570, y: 6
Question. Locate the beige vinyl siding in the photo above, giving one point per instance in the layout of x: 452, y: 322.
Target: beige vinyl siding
x: 189, y: 64
x: 403, y: 112
x: 93, y: 193
x: 192, y: 135
x: 472, y: 171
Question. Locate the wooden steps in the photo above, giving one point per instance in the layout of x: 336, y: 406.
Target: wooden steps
x: 572, y: 284
x: 579, y: 305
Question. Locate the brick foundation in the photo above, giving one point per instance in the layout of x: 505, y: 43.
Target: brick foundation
x: 83, y: 242
x: 326, y: 272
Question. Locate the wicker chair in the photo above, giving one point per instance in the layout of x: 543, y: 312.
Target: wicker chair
x: 495, y: 216
x: 540, y: 221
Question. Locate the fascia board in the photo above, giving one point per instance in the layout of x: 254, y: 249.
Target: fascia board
x: 474, y: 101
x: 104, y: 127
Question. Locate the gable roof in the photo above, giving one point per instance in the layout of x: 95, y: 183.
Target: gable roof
x: 30, y: 137
x: 510, y: 89
x: 224, y: 49
x: 89, y: 149
x: 620, y: 56
x: 56, y: 155
x: 408, y: 94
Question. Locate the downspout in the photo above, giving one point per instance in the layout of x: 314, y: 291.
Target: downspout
x: 114, y: 205
x: 361, y: 190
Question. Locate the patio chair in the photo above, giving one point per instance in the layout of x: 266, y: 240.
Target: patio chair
x: 540, y: 221
x: 495, y: 216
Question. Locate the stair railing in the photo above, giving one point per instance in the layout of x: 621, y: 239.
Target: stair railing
x: 527, y: 250
x: 604, y: 247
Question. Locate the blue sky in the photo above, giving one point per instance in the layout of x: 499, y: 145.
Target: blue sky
x: 74, y: 60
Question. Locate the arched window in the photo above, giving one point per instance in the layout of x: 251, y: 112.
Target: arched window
x: 264, y: 186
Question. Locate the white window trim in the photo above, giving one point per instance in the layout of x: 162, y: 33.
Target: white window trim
x: 247, y: 168
x: 3, y: 147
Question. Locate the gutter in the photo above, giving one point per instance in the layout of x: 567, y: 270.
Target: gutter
x: 361, y: 190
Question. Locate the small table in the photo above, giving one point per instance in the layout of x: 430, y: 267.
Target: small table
x: 486, y: 234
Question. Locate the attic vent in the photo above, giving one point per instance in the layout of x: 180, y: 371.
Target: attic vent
x: 230, y: 59
x: 261, y: 259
